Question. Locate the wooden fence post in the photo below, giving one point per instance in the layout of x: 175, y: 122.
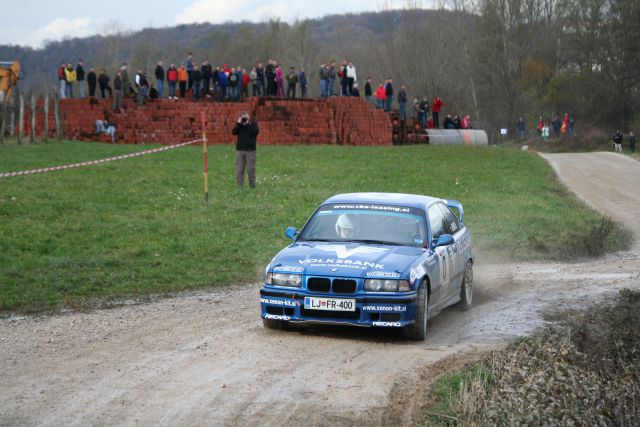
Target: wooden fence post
x: 46, y: 118
x: 21, y: 120
x: 56, y: 110
x: 12, y: 116
x: 3, y: 120
x: 32, y: 137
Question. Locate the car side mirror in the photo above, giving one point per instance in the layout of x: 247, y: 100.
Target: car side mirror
x: 445, y: 240
x: 291, y: 232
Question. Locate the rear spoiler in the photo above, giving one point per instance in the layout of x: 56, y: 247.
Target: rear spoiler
x: 454, y: 204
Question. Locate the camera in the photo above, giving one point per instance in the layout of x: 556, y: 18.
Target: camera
x: 244, y: 120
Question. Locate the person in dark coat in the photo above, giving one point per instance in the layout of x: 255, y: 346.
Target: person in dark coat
x: 368, y: 92
x: 92, y: 81
x: 207, y: 74
x: 80, y: 75
x: 247, y: 132
x: 270, y: 75
x: 159, y: 73
x: 103, y: 82
x: 402, y: 102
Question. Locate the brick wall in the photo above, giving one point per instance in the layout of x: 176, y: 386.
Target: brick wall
x: 336, y: 120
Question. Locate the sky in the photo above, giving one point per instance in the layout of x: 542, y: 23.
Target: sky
x: 32, y: 23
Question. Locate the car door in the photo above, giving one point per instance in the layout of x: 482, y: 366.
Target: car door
x: 437, y: 226
x: 454, y: 228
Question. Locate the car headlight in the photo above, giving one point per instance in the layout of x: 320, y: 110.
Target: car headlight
x: 284, y: 279
x: 386, y: 285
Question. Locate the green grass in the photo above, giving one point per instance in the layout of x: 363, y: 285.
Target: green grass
x: 140, y: 226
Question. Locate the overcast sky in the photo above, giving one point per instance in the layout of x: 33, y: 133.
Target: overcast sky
x: 31, y: 23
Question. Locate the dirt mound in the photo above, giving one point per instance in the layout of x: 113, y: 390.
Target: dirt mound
x: 584, y: 371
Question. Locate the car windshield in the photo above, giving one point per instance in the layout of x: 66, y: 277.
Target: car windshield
x: 367, y: 223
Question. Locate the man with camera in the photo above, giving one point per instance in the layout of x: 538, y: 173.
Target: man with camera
x: 247, y: 132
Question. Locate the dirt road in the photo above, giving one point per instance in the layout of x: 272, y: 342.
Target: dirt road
x: 205, y: 358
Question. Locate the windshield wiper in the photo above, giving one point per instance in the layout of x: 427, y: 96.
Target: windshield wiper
x: 373, y: 241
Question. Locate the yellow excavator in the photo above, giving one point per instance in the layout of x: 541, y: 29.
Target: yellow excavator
x: 9, y: 76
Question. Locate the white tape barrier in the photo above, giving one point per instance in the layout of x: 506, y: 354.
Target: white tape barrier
x: 97, y: 162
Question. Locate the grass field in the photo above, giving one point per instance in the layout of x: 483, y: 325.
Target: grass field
x: 139, y: 226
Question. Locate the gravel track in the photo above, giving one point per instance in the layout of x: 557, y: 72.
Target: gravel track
x: 204, y: 358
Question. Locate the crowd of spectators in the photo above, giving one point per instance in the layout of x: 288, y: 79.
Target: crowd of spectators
x: 226, y: 83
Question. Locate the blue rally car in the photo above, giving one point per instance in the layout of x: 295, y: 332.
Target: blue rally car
x: 374, y: 260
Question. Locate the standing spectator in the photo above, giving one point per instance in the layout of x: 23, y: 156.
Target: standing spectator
x: 355, y: 91
x: 92, y: 81
x: 270, y: 74
x: 196, y: 76
x: 279, y: 76
x: 368, y: 93
x: 466, y: 122
x: 260, y: 78
x: 617, y: 141
x: 207, y: 74
x: 437, y: 106
x: 80, y: 75
x: 214, y: 82
x: 419, y: 112
x: 303, y: 82
x: 159, y: 73
x: 389, y: 92
x: 565, y: 124
x: 540, y: 125
x: 424, y: 105
x: 381, y: 96
x: 521, y: 128
x: 223, y: 82
x: 557, y: 124
x: 292, y: 81
x: 632, y: 142
x: 189, y: 68
x: 70, y: 77
x: 255, y: 88
x: 136, y: 80
x: 342, y: 73
x: 103, y: 82
x: 124, y: 76
x: 570, y: 127
x: 247, y: 131
x: 246, y: 79
x: 183, y: 78
x: 172, y: 80
x: 323, y: 74
x: 332, y: 77
x: 118, y: 86
x: 351, y: 76
x: 62, y: 78
x: 402, y: 102
x: 233, y: 84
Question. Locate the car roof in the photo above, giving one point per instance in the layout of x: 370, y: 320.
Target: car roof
x: 395, y: 199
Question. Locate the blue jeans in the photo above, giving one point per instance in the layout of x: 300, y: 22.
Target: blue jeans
x: 80, y: 88
x: 389, y: 102
x: 331, y: 83
x: 222, y: 92
x: 324, y: 88
x: 160, y: 87
x: 172, y: 89
x: 403, y: 111
x: 196, y: 89
x: 379, y: 103
x: 63, y: 89
x: 69, y: 90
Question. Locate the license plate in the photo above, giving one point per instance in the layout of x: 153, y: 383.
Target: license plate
x: 331, y: 304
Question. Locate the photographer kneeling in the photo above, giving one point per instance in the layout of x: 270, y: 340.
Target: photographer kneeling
x: 247, y: 131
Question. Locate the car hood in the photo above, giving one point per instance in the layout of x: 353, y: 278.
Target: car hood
x: 345, y: 259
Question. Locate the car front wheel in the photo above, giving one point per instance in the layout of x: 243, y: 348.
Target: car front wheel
x: 418, y: 330
x: 466, y: 290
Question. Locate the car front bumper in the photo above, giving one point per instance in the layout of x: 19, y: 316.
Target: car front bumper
x: 396, y: 310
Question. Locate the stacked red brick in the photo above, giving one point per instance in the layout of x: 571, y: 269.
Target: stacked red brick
x: 349, y: 121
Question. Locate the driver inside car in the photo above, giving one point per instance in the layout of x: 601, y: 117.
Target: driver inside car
x: 345, y: 227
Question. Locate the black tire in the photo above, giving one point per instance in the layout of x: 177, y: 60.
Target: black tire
x: 418, y: 330
x: 274, y: 324
x: 466, y: 289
